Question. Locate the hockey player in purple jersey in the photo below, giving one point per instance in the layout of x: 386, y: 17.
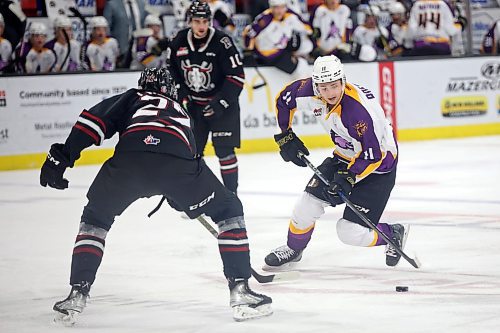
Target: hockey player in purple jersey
x: 155, y: 155
x: 363, y: 165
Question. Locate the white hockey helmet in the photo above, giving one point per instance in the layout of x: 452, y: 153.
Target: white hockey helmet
x: 98, y: 21
x: 273, y: 3
x: 2, y: 21
x: 152, y: 20
x: 62, y: 21
x: 37, y: 28
x: 397, y: 8
x: 327, y: 69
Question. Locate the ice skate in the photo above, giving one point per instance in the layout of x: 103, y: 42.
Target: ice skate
x: 399, y: 235
x: 281, y: 258
x: 68, y: 309
x: 247, y: 304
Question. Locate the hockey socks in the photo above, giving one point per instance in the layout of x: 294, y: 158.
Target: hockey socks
x: 235, y: 253
x: 229, y: 172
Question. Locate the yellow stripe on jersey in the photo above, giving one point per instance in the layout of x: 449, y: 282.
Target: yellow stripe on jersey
x: 298, y: 231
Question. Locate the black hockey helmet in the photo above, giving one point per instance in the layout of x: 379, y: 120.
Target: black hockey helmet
x: 159, y: 80
x: 199, y: 9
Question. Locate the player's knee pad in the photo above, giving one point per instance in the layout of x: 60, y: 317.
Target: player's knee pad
x: 351, y: 233
x: 223, y: 152
x: 237, y: 222
x: 308, y: 209
x: 92, y: 230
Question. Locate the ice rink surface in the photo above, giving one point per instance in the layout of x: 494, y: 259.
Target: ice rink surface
x: 164, y: 274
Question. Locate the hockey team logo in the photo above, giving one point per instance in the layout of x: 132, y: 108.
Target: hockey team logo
x: 360, y: 128
x: 182, y: 51
x: 151, y: 140
x: 3, y: 99
x: 197, y: 77
x: 317, y: 112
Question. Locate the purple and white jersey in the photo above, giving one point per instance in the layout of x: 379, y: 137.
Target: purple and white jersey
x: 103, y: 57
x: 269, y: 36
x: 5, y: 52
x: 357, y: 125
x: 42, y: 61
x: 72, y: 63
x: 432, y: 23
x: 335, y: 26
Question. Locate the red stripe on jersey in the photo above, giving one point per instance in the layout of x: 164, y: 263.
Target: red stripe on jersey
x: 154, y: 128
x: 233, y: 235
x: 91, y: 250
x: 88, y: 132
x: 238, y: 83
x: 99, y: 120
x: 234, y: 249
x: 228, y: 171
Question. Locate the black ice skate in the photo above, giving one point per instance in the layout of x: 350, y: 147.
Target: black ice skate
x: 247, y: 304
x: 68, y: 309
x: 399, y: 235
x: 281, y: 258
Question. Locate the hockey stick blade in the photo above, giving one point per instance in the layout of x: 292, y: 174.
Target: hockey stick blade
x: 414, y: 262
x: 285, y: 276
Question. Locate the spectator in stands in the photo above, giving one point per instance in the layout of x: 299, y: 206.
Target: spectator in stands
x: 14, y: 21
x: 333, y: 26
x: 102, y: 51
x: 369, y: 36
x: 146, y: 40
x: 33, y: 56
x: 491, y: 41
x: 5, y: 47
x: 431, y: 27
x: 68, y: 58
x: 279, y: 37
x: 124, y: 17
x: 398, y: 41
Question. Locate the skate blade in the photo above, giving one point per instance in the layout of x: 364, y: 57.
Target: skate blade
x: 283, y: 268
x: 66, y: 319
x: 244, y: 313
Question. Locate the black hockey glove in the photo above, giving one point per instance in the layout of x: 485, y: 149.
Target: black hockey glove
x: 290, y: 146
x: 53, y: 168
x: 343, y: 181
x: 215, y: 109
x: 294, y: 42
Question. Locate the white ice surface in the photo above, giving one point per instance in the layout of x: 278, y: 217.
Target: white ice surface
x: 164, y: 274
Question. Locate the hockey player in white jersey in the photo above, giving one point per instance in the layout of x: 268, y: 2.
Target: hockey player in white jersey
x: 491, y: 41
x: 370, y: 33
x: 363, y: 165
x: 432, y: 26
x: 145, y: 41
x: 398, y: 41
x: 102, y: 51
x: 5, y: 46
x: 279, y: 37
x: 34, y: 56
x: 68, y: 59
x: 333, y: 21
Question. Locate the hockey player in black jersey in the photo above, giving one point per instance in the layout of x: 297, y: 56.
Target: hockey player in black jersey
x: 155, y: 155
x: 208, y: 67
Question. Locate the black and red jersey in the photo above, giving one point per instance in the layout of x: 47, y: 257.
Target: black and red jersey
x: 145, y: 121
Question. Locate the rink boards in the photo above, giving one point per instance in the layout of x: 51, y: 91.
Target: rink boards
x: 425, y: 99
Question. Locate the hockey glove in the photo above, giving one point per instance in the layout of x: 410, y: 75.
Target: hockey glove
x: 215, y: 109
x: 53, y: 168
x: 462, y: 21
x: 343, y: 181
x: 290, y: 146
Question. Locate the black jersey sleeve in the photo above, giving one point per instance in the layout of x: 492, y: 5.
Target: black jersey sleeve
x: 230, y: 61
x: 99, y: 123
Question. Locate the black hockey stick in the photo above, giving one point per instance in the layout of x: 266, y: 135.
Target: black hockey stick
x: 83, y: 49
x: 414, y: 262
x: 284, y: 276
x: 66, y: 38
x: 383, y: 39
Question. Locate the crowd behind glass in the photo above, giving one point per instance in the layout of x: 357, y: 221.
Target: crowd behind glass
x: 280, y: 33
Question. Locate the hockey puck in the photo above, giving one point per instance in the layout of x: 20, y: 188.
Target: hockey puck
x: 401, y: 289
